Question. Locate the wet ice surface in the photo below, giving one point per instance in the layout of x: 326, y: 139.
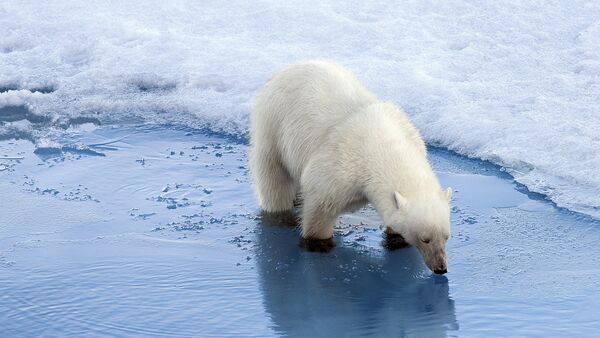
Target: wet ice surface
x: 155, y: 231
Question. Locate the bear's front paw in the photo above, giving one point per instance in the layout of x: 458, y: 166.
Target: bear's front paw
x: 317, y: 245
x: 281, y: 218
x: 394, y: 241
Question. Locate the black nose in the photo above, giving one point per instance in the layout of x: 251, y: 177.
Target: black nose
x: 440, y: 271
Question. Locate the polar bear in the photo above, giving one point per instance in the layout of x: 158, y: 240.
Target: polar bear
x: 317, y: 130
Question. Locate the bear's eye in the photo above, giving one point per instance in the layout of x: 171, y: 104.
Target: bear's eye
x: 426, y: 240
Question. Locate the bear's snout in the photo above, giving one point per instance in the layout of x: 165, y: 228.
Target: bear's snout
x: 440, y: 271
x: 440, y: 267
x: 435, y: 257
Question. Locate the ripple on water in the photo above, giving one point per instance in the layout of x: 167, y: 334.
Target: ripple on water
x: 122, y: 298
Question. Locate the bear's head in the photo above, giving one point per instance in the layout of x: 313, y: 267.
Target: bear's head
x: 424, y: 222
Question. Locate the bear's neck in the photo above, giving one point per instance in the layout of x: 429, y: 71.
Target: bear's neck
x: 393, y: 158
x: 385, y: 204
x: 409, y: 174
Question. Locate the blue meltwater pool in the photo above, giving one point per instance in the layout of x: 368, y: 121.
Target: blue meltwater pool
x: 138, y: 231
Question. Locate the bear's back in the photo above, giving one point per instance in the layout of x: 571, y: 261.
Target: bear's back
x: 300, y: 105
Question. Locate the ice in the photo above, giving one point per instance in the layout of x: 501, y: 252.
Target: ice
x: 512, y: 82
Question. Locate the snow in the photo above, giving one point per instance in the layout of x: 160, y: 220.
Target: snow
x: 516, y: 83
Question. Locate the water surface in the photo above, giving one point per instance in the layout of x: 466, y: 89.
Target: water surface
x: 155, y: 232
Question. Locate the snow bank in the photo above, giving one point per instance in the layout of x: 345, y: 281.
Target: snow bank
x: 517, y: 83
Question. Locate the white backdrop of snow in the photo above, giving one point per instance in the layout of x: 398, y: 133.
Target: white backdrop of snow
x: 513, y: 82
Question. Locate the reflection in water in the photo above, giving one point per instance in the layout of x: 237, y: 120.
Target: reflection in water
x: 349, y: 291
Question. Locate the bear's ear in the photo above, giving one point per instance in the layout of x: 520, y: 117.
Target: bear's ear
x: 401, y: 202
x: 447, y: 193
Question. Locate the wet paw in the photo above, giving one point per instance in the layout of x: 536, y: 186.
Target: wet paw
x: 393, y: 241
x: 317, y: 245
x: 282, y: 218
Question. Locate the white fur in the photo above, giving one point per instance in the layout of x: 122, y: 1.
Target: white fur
x: 317, y: 130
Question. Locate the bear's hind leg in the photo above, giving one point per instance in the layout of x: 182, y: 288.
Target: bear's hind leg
x: 274, y: 186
